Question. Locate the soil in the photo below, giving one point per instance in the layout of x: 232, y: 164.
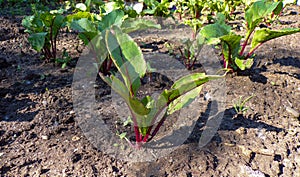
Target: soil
x: 39, y: 135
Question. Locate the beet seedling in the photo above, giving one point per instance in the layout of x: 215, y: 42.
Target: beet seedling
x: 43, y: 28
x: 146, y: 111
x: 240, y: 107
x: 233, y: 52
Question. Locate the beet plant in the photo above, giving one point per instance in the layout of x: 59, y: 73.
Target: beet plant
x: 233, y: 49
x: 90, y: 26
x: 131, y: 68
x: 195, y: 14
x: 43, y: 28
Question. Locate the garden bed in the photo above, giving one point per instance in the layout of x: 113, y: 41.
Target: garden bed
x: 40, y: 137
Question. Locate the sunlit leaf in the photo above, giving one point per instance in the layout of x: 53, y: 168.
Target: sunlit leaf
x: 263, y: 35
x: 257, y: 11
x: 131, y: 24
x: 244, y: 64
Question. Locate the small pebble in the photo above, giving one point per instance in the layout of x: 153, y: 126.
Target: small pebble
x: 72, y: 112
x: 1, y: 154
x: 240, y: 130
x: 44, y: 103
x: 254, y: 173
x: 207, y: 96
x: 292, y: 111
x: 45, y: 137
x: 96, y: 86
x: 75, y: 138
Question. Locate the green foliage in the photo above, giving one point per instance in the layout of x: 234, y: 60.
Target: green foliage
x: 43, y: 28
x: 158, y: 8
x: 233, y: 53
x: 240, y: 107
x: 90, y: 29
x: 190, y: 52
x: 64, y: 60
x: 128, y: 59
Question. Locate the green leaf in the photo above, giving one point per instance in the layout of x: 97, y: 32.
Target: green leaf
x: 27, y: 21
x: 98, y: 45
x: 263, y: 35
x: 117, y: 85
x: 279, y: 8
x: 232, y: 42
x: 130, y: 25
x: 212, y: 32
x: 244, y: 64
x: 78, y: 16
x: 87, y: 30
x: 183, y: 86
x: 184, y: 100
x: 57, y: 24
x: 83, y: 25
x: 138, y: 107
x: 127, y: 57
x: 37, y: 40
x: 47, y: 18
x: 258, y: 11
x: 113, y: 18
x: 183, y: 91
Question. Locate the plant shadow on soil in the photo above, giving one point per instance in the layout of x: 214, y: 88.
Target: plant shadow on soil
x: 229, y: 122
x: 255, y: 72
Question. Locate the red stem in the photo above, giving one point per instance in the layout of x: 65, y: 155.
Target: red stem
x: 253, y: 50
x: 160, y: 123
x: 245, y: 43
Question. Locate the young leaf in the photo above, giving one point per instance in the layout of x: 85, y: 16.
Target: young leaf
x: 263, y: 35
x: 138, y: 107
x: 184, y: 100
x: 257, y: 11
x: 232, y: 42
x: 57, y: 24
x: 83, y: 25
x: 27, y: 22
x: 122, y: 135
x: 244, y: 64
x: 130, y: 25
x: 78, y: 16
x: 117, y: 85
x: 212, y: 32
x: 37, y: 40
x: 127, y: 57
x: 47, y: 18
x: 113, y: 18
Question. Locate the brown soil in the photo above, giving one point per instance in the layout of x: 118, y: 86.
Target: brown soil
x: 40, y: 137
